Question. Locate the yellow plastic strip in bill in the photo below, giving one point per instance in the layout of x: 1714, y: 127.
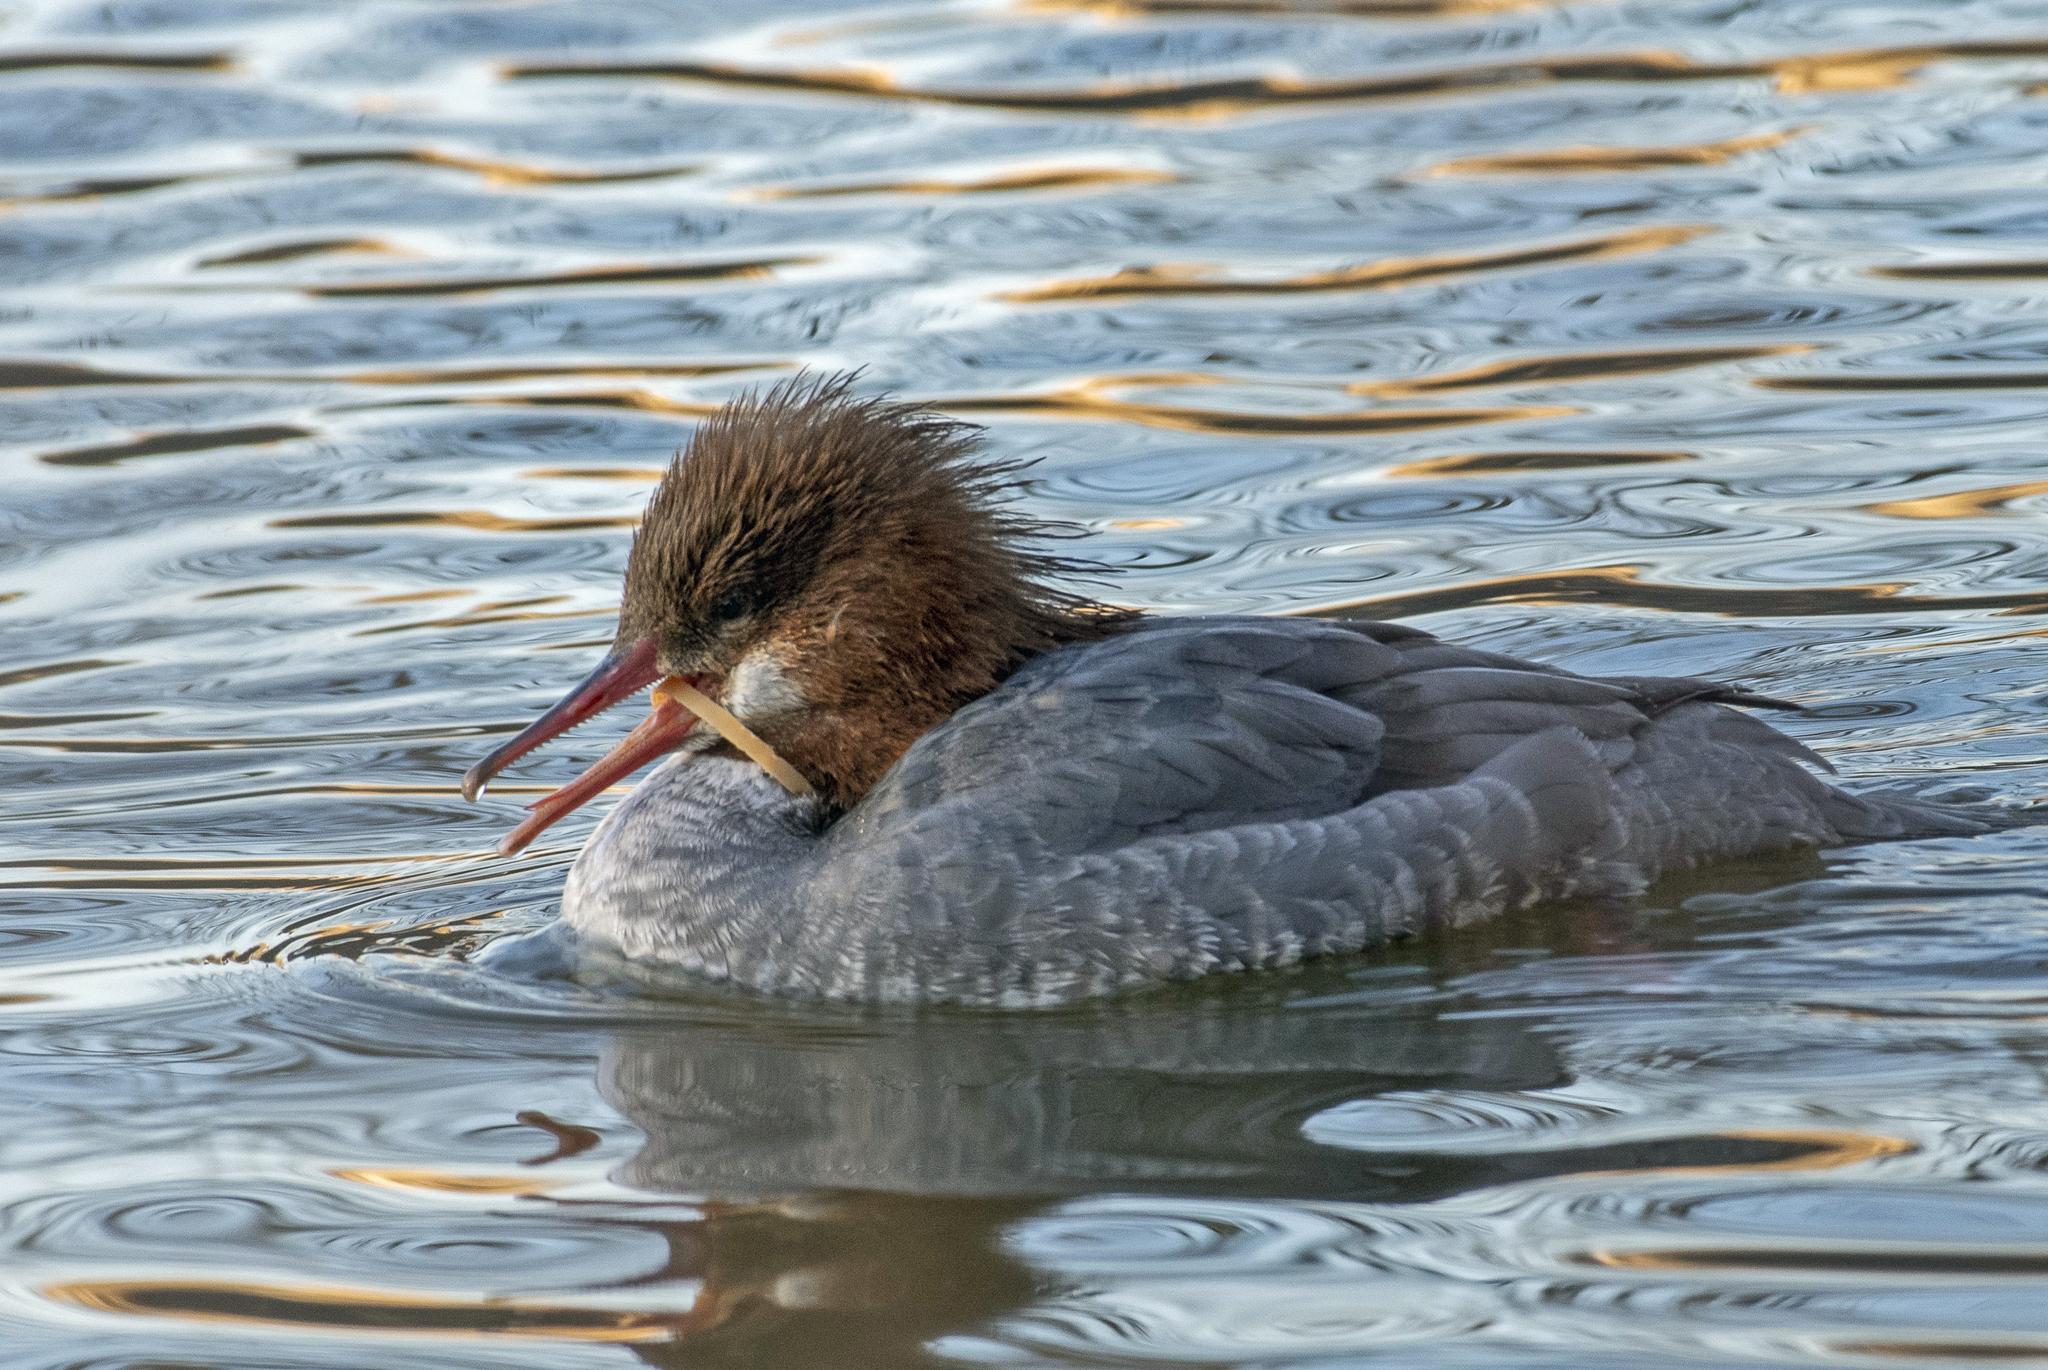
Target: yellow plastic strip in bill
x: 739, y: 734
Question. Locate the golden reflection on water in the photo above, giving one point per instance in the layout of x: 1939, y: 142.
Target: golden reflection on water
x: 1499, y: 463
x: 1863, y: 69
x: 1839, y: 1260
x: 39, y: 375
x: 490, y: 171
x: 642, y: 401
x: 1857, y: 69
x: 1960, y: 503
x: 1201, y: 280
x: 493, y: 170
x: 1096, y: 398
x: 632, y: 475
x: 1831, y: 1149
x: 415, y: 596
x: 266, y: 873
x: 24, y: 675
x: 1091, y: 399
x: 358, y: 1311
x: 675, y: 274
x: 1285, y: 9
x: 1041, y: 178
x: 476, y: 520
x: 481, y: 615
x: 1629, y: 585
x: 1598, y: 159
x: 461, y: 375
x: 1579, y: 367
x: 421, y: 1181
x: 308, y: 247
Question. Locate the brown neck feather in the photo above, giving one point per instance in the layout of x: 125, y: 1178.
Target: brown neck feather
x: 923, y: 638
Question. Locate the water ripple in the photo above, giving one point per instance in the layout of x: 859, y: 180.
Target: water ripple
x: 342, y: 348
x: 1804, y: 74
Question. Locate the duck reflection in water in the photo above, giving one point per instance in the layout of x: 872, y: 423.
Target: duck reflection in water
x: 866, y: 1184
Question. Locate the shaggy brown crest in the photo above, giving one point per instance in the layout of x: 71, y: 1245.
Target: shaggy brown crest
x: 868, y: 549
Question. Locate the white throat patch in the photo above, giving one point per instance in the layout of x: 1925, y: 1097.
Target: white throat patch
x: 759, y: 688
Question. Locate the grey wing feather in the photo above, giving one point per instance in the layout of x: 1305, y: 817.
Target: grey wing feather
x: 1188, y: 724
x: 1173, y: 728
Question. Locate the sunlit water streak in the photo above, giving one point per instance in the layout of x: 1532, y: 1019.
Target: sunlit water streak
x: 339, y: 345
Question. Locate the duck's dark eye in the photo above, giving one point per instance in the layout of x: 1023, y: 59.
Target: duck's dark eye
x: 728, y: 607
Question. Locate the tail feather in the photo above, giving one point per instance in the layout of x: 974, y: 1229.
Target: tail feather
x: 1877, y: 816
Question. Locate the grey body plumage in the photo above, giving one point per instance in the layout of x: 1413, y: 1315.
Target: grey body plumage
x: 1200, y: 795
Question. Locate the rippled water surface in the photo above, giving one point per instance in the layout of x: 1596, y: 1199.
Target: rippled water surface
x: 339, y: 343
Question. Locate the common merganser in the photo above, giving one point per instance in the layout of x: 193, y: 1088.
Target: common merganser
x: 1007, y: 794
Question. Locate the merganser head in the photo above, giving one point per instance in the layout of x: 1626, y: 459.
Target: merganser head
x: 840, y: 573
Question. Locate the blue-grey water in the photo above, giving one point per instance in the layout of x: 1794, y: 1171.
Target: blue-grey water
x: 340, y: 342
